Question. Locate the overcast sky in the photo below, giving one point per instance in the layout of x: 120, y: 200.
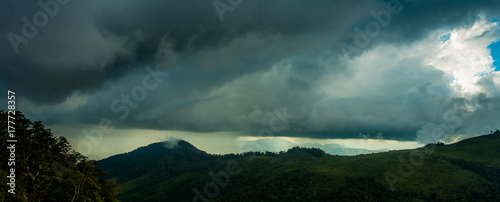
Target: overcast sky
x: 394, y: 70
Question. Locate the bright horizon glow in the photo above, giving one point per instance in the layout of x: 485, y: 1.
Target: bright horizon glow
x: 126, y: 140
x: 369, y: 144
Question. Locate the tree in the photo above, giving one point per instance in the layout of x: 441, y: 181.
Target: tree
x: 47, y: 168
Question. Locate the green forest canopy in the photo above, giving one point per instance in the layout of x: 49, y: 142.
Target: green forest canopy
x: 47, y: 168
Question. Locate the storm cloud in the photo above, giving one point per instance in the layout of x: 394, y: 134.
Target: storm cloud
x: 229, y: 75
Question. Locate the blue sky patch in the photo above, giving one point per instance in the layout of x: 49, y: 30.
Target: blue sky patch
x: 495, y: 53
x: 445, y: 38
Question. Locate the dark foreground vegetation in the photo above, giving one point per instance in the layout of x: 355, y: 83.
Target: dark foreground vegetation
x: 465, y: 171
x: 47, y: 168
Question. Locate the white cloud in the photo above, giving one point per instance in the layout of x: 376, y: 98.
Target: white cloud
x: 419, y: 76
x: 465, y: 56
x: 74, y: 101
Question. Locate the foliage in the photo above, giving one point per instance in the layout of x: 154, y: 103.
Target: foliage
x: 48, y: 169
x: 309, y: 174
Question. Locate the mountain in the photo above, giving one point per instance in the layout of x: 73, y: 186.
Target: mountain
x: 280, y: 144
x: 468, y: 170
x: 157, y: 156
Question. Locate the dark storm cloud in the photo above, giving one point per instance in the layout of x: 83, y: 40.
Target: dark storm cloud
x: 419, y: 17
x: 107, y: 37
x: 187, y: 24
x: 229, y: 75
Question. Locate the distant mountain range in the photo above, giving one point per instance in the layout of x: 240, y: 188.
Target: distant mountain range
x: 280, y: 144
x: 468, y: 170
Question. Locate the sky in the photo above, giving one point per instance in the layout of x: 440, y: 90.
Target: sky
x: 115, y: 75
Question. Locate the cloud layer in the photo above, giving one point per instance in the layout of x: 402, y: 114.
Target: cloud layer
x: 406, y: 84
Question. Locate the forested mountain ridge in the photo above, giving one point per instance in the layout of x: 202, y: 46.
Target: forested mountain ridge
x: 467, y: 170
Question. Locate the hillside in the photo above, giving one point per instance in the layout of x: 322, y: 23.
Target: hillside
x: 467, y: 170
x: 483, y: 148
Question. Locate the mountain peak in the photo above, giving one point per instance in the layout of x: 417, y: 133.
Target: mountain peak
x: 177, y: 143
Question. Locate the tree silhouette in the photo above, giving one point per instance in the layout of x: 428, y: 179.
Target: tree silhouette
x: 47, y: 168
